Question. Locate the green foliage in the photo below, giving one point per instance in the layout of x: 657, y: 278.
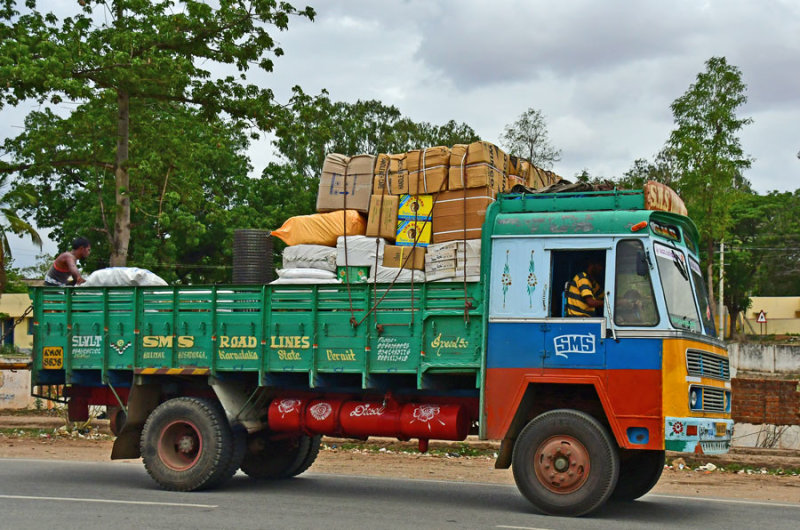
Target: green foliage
x: 313, y: 126
x: 662, y: 170
x: 528, y: 138
x: 137, y: 70
x: 11, y: 222
x: 707, y: 151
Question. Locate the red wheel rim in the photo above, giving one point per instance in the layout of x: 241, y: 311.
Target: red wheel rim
x: 562, y: 464
x: 180, y: 445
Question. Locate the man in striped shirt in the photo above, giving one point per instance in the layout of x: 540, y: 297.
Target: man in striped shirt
x: 584, y: 294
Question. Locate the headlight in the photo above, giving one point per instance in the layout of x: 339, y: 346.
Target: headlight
x: 696, y: 398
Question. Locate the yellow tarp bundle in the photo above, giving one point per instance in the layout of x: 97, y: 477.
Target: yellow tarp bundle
x: 321, y: 228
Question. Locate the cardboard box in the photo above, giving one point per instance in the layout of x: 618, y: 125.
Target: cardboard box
x: 473, y: 274
x: 454, y: 250
x: 382, y: 219
x: 415, y: 206
x: 398, y: 257
x: 450, y: 218
x: 428, y: 169
x: 410, y: 231
x: 390, y: 171
x: 479, y: 164
x: 337, y: 186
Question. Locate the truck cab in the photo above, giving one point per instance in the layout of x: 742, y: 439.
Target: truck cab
x: 647, y: 364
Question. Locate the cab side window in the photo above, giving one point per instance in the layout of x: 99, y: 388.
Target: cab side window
x: 634, y: 300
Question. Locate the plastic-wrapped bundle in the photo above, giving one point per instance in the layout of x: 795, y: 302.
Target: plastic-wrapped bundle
x: 321, y: 228
x: 122, y: 276
x: 361, y: 251
x: 382, y: 274
x: 310, y: 257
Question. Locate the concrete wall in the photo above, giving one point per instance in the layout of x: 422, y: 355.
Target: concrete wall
x: 764, y: 360
x: 15, y: 388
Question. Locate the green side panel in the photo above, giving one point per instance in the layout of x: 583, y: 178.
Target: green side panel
x: 52, y: 335
x: 453, y: 337
x: 239, y: 328
x: 341, y: 346
x: 320, y: 330
x: 87, y: 340
x: 194, y: 341
x: 157, y: 337
x: 395, y: 344
x: 290, y: 338
x: 121, y: 329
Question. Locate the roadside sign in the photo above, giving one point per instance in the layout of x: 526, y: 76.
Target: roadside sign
x: 762, y: 317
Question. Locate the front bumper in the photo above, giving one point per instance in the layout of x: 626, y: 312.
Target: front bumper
x: 711, y: 436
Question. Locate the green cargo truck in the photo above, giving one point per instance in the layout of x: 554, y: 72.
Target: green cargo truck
x: 201, y: 381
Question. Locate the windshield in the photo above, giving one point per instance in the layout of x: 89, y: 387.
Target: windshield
x: 674, y: 273
x: 702, y: 297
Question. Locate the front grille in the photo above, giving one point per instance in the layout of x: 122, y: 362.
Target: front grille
x: 713, y: 399
x: 705, y: 364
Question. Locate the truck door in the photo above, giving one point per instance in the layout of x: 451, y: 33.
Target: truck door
x: 518, y: 303
x: 575, y: 342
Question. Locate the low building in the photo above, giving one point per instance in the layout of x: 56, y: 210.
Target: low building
x: 14, y: 306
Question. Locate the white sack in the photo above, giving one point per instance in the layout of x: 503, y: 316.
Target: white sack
x: 305, y: 274
x: 310, y: 257
x: 122, y: 276
x: 303, y: 281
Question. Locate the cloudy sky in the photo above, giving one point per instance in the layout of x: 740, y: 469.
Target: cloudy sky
x: 603, y: 73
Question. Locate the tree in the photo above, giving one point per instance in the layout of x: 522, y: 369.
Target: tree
x: 662, y: 170
x: 528, y: 138
x: 708, y: 153
x: 190, y: 174
x: 762, y: 252
x: 120, y: 53
x: 11, y: 222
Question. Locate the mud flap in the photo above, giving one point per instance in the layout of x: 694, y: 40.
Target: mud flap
x: 142, y: 400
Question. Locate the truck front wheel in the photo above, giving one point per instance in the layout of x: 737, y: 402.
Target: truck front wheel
x: 277, y: 458
x: 639, y: 472
x: 186, y: 444
x: 565, y: 463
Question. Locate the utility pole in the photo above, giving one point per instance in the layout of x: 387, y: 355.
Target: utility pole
x: 720, y: 307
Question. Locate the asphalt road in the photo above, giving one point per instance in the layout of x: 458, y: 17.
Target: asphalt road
x: 54, y: 494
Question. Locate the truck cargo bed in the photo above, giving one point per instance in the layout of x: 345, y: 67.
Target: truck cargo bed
x: 310, y: 336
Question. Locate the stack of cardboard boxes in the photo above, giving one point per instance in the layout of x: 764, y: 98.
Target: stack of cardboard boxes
x: 427, y: 205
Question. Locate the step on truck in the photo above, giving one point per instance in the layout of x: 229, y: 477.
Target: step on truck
x: 202, y: 381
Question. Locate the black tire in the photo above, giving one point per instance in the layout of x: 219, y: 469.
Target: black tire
x: 311, y: 455
x: 186, y: 444
x: 233, y: 457
x: 269, y: 458
x: 565, y: 463
x: 638, y: 473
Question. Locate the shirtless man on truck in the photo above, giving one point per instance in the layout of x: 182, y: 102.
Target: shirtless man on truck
x: 64, y: 270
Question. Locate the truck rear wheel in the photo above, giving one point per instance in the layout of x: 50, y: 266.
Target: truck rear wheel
x: 638, y: 473
x: 565, y: 463
x: 187, y: 444
x: 269, y: 458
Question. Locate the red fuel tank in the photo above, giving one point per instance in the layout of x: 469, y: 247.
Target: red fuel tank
x: 361, y: 418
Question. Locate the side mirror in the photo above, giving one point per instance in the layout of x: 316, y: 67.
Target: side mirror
x: 642, y: 268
